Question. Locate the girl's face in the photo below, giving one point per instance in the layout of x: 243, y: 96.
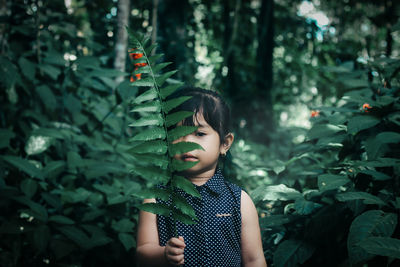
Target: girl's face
x: 207, y: 159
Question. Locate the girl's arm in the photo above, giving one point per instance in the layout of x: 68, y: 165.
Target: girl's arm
x: 148, y: 251
x: 252, y: 251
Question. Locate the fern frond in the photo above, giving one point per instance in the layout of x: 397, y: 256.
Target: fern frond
x: 154, y: 146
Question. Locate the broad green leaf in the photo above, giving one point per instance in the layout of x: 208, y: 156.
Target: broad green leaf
x: 123, y: 226
x: 37, y: 144
x: 366, y: 197
x: 38, y: 211
x: 178, y: 165
x: 183, y: 218
x: 374, y: 145
x: 160, y: 66
x: 29, y: 187
x: 292, y: 253
x: 149, y: 94
x: 53, y: 169
x: 93, y: 214
x: 305, y: 207
x: 378, y: 176
x: 50, y: 70
x: 186, y: 185
x: 331, y: 181
x: 47, y: 97
x: 274, y: 220
x: 383, y: 246
x: 127, y: 240
x: 50, y: 132
x: 166, y: 91
x: 180, y: 131
x: 152, y: 174
x: 24, y: 165
x: 150, y: 120
x: 153, y: 106
x: 394, y: 117
x: 27, y: 68
x: 61, y: 219
x: 5, y: 136
x: 359, y: 123
x: 154, y: 146
x: 275, y: 192
x: 369, y: 224
x: 156, y: 208
x: 379, y: 162
x: 162, y: 78
x: 75, y: 234
x: 153, y: 133
x: 173, y: 103
x: 183, y: 147
x: 52, y: 199
x: 148, y: 81
x: 41, y: 237
x: 323, y: 130
x: 174, y: 118
x: 184, y: 207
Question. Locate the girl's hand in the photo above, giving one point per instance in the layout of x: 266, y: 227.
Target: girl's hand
x: 174, y: 251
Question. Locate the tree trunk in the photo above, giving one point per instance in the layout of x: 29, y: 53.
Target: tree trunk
x: 264, y: 78
x: 154, y: 24
x: 121, y: 41
x: 3, y: 13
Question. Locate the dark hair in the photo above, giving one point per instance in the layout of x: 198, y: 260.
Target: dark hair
x: 210, y: 104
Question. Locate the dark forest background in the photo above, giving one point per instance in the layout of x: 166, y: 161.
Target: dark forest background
x: 314, y: 92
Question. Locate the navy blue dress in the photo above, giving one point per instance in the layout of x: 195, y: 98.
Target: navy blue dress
x: 215, y: 240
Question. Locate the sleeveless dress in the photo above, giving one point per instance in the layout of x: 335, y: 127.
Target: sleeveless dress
x: 215, y: 240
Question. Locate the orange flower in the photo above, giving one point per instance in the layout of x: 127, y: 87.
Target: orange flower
x: 138, y: 77
x: 140, y: 64
x: 314, y: 113
x: 132, y: 79
x: 135, y: 55
x: 366, y: 107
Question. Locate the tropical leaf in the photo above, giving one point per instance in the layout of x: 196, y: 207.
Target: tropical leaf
x: 371, y: 223
x: 150, y: 120
x: 173, y: 103
x: 147, y: 95
x: 292, y: 253
x: 181, y: 204
x: 160, y: 66
x: 152, y: 174
x: 178, y: 165
x: 331, y: 181
x: 153, y: 146
x: 384, y: 246
x: 359, y: 123
x: 184, y: 184
x: 162, y: 78
x: 153, y: 106
x: 366, y: 197
x: 183, y: 218
x: 24, y: 165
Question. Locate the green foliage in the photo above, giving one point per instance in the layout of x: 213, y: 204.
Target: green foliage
x: 158, y: 139
x: 342, y: 183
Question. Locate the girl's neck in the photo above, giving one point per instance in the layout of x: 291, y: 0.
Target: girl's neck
x: 201, y: 178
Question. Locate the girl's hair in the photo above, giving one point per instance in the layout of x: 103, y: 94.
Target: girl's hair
x: 210, y: 104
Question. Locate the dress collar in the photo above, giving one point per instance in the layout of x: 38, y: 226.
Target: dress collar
x: 216, y: 183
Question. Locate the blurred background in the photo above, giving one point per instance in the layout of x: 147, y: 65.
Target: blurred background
x: 314, y: 92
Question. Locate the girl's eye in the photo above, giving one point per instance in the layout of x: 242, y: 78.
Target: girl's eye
x: 200, y: 134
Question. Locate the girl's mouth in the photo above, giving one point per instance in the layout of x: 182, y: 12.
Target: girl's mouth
x: 188, y: 157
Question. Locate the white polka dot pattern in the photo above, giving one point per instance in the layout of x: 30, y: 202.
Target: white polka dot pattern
x: 215, y: 239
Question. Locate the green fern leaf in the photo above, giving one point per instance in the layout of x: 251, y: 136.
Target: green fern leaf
x: 162, y: 78
x: 160, y: 66
x: 148, y: 81
x: 183, y: 147
x: 180, y: 131
x: 153, y: 106
x: 153, y: 59
x: 174, y: 118
x: 153, y: 119
x: 173, y: 103
x: 154, y: 146
x: 150, y: 160
x: 150, y: 48
x: 177, y: 215
x: 156, y: 208
x: 163, y: 194
x: 167, y: 91
x: 178, y: 165
x: 149, y: 134
x: 144, y: 69
x: 152, y: 174
x: 184, y: 206
x: 148, y: 95
x: 186, y: 185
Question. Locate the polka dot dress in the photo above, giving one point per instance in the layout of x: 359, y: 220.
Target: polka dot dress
x: 215, y: 239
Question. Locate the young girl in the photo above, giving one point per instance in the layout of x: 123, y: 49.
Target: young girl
x: 227, y: 232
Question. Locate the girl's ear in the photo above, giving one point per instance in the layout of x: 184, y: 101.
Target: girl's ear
x: 228, y: 140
